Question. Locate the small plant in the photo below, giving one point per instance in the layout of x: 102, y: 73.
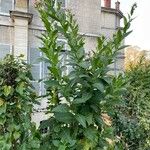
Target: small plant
x: 82, y: 102
x: 17, y: 97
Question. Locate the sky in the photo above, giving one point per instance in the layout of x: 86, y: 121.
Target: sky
x: 141, y: 25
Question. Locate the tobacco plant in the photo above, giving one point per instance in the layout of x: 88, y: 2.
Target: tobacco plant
x: 82, y: 101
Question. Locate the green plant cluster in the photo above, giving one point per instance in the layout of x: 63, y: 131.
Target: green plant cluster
x: 17, y: 97
x: 133, y: 119
x: 82, y: 102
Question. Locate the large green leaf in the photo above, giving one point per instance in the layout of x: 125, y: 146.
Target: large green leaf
x: 64, y: 108
x: 89, y: 118
x: 85, y: 97
x: 99, y: 85
x: 66, y: 136
x: 62, y: 147
x: 51, y: 83
x: 91, y: 134
x: 64, y: 117
x: 20, y: 88
x: 81, y: 119
x: 56, y: 143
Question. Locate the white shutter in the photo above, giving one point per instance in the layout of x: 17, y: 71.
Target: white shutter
x: 4, y: 50
x: 6, y: 5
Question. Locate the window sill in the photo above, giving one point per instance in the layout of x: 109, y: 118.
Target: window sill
x: 4, y: 14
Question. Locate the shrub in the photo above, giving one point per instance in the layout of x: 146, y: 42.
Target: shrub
x: 133, y: 119
x: 82, y: 102
x: 17, y: 97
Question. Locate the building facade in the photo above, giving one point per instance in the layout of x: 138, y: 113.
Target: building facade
x: 20, y: 25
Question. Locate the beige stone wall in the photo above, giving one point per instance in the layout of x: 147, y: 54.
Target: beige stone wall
x: 108, y: 20
x: 21, y: 37
x: 90, y: 43
x: 87, y: 14
x: 108, y: 32
x: 21, y: 5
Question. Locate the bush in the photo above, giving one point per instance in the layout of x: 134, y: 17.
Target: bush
x: 133, y: 119
x: 82, y: 102
x: 17, y: 97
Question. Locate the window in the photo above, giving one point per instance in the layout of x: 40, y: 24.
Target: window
x: 36, y: 68
x: 4, y: 50
x: 6, y: 6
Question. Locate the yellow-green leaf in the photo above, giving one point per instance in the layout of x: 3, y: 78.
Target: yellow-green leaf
x: 1, y: 101
x: 19, y: 106
x: 16, y: 135
x: 7, y: 90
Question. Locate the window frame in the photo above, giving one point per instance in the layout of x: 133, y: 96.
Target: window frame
x: 7, y: 14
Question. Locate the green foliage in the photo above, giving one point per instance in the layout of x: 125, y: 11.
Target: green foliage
x: 78, y: 100
x: 17, y: 97
x: 133, y: 119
